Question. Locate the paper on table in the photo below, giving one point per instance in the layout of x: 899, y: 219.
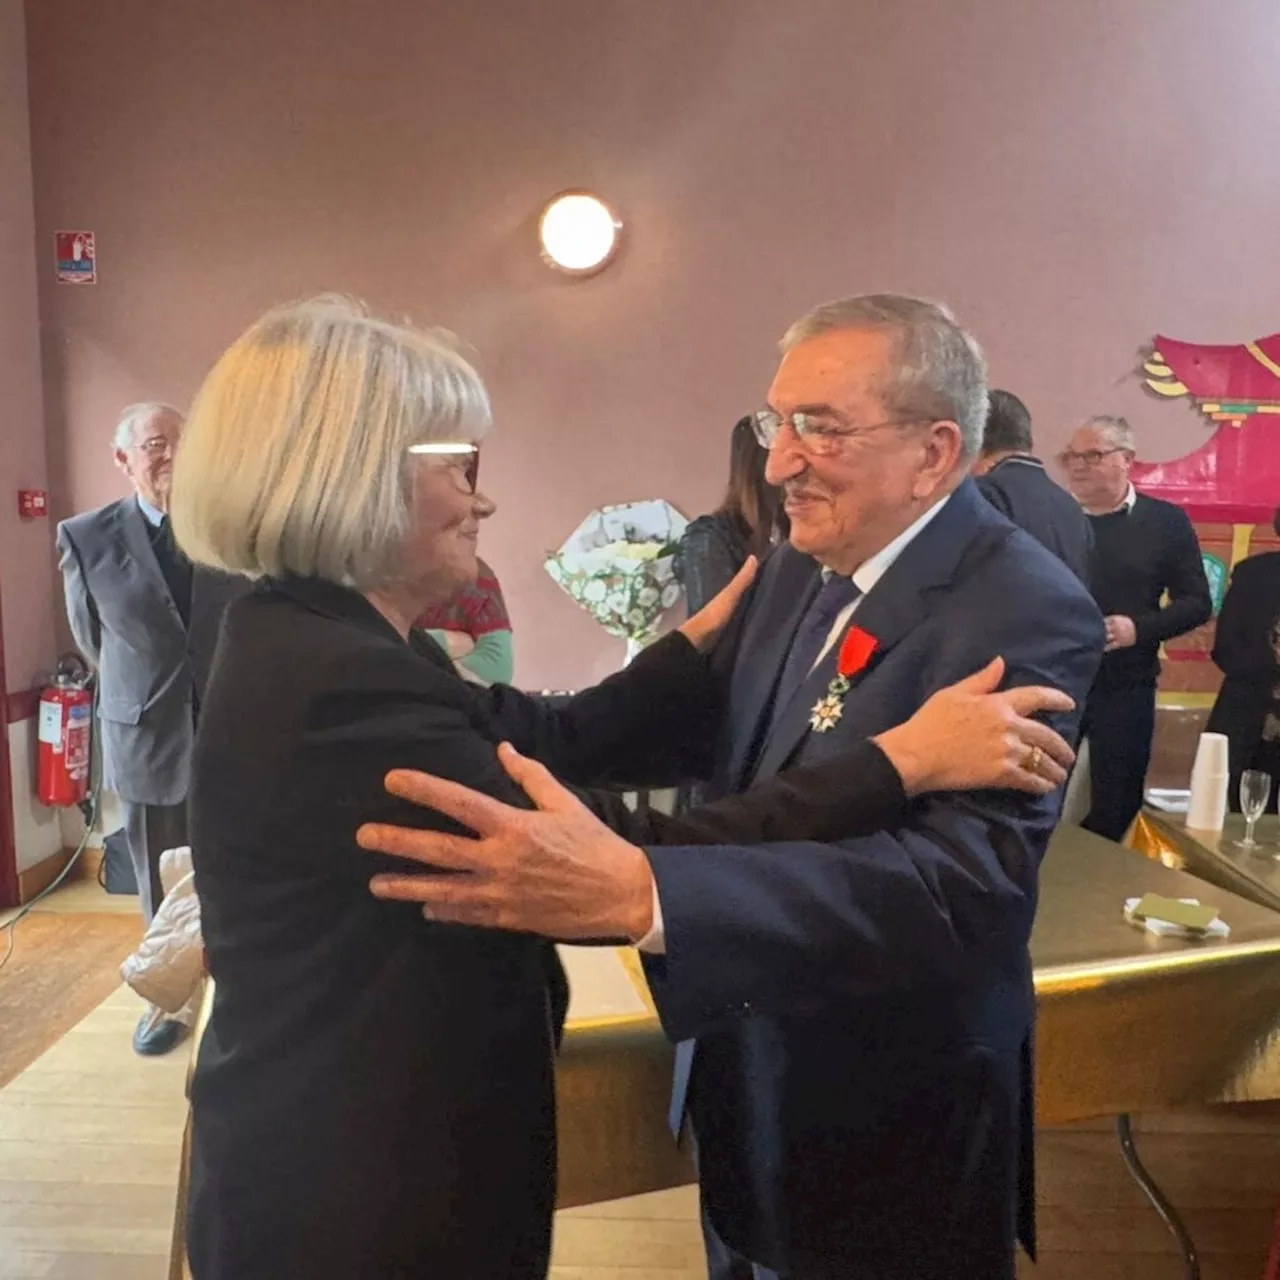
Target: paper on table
x: 599, y: 984
x: 1165, y: 929
x: 1168, y: 800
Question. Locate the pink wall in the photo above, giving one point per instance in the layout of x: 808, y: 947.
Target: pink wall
x: 26, y: 581
x: 1071, y: 176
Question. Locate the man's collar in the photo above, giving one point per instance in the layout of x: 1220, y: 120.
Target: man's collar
x: 1126, y: 505
x: 152, y: 515
x: 870, y: 571
x: 1018, y: 459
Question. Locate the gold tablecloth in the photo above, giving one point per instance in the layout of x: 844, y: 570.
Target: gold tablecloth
x: 1213, y: 856
x: 1127, y: 1022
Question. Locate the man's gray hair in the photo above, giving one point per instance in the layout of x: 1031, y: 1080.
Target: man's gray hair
x: 136, y: 413
x: 1118, y: 430
x: 939, y: 371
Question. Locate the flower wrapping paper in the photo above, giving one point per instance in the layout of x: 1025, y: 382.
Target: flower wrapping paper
x: 618, y: 565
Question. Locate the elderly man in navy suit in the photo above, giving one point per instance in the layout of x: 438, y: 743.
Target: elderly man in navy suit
x: 855, y: 1017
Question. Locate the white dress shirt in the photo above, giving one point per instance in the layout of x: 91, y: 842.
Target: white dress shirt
x: 865, y: 577
x: 151, y: 514
x: 1126, y: 505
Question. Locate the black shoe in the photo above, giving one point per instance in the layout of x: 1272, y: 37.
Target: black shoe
x: 155, y: 1034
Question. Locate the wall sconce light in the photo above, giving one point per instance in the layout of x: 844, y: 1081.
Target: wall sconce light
x: 578, y: 233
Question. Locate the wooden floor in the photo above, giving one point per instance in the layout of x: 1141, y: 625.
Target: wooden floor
x: 84, y: 893
x: 89, y: 1141
x: 62, y: 966
x: 654, y: 1237
x: 90, y: 1137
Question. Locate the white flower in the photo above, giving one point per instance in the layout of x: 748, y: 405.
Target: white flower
x: 638, y: 618
x: 636, y: 550
x: 594, y: 591
x: 648, y: 596
x: 670, y: 594
x: 616, y: 601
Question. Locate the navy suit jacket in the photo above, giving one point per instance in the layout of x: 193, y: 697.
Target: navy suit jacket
x: 861, y: 1090
x: 1020, y: 488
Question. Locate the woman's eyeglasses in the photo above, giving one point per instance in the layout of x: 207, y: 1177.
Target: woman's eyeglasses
x: 460, y: 457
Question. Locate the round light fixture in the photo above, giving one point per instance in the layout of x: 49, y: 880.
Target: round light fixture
x: 579, y: 233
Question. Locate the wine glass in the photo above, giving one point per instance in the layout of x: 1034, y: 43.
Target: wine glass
x: 1255, y: 791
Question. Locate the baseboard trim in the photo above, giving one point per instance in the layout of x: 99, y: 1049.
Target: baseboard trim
x: 35, y: 880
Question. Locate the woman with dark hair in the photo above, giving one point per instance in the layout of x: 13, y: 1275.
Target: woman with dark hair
x: 747, y: 522
x: 1247, y: 648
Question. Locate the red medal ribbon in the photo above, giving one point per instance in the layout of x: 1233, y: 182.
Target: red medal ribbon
x: 856, y: 651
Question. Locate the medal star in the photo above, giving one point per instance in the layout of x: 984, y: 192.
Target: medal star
x: 826, y: 713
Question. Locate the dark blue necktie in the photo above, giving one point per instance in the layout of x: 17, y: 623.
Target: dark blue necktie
x: 175, y: 566
x: 835, y: 595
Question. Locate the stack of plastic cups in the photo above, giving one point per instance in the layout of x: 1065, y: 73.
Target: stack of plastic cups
x: 1207, y: 810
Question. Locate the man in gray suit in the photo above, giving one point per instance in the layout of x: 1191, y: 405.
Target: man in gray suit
x: 148, y: 623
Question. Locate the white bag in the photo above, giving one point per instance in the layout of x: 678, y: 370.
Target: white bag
x: 168, y: 965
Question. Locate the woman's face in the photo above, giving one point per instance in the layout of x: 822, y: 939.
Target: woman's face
x: 440, y: 553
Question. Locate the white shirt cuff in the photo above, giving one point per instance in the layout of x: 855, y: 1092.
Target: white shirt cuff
x: 654, y: 942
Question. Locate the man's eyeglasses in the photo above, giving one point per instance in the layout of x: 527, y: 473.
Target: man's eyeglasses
x: 816, y: 435
x: 157, y: 446
x: 1085, y: 457
x: 460, y: 457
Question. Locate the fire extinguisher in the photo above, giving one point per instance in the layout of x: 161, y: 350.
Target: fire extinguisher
x: 66, y: 736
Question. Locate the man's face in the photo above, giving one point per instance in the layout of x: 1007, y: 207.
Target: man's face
x: 872, y: 478
x: 1097, y: 472
x: 148, y: 461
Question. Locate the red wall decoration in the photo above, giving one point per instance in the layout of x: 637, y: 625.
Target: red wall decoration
x: 1230, y: 486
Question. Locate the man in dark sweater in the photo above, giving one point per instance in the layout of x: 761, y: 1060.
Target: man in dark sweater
x: 1143, y: 548
x: 1016, y: 484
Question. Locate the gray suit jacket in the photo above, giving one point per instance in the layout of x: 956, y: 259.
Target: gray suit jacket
x: 150, y: 665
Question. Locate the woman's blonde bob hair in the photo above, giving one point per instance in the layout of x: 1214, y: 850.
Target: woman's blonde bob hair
x: 295, y: 457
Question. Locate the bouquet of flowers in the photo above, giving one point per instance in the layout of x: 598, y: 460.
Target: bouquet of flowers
x: 618, y: 565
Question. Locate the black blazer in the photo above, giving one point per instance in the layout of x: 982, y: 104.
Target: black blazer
x: 712, y: 550
x: 373, y: 1095
x: 1020, y: 489
x: 1242, y: 648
